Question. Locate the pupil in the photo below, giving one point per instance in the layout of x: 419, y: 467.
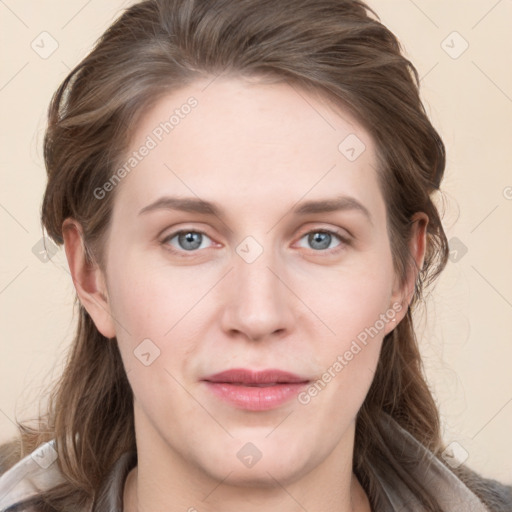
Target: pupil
x: 189, y: 239
x: 322, y: 238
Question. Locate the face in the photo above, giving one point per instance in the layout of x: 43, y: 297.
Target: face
x: 288, y: 270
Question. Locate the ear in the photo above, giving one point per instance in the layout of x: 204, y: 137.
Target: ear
x: 403, y: 294
x: 89, y: 281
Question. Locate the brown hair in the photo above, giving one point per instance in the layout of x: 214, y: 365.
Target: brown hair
x: 336, y: 48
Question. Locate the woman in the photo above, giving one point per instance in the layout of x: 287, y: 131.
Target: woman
x: 244, y: 192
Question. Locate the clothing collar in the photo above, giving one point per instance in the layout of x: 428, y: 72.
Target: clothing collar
x: 110, y: 494
x: 451, y: 493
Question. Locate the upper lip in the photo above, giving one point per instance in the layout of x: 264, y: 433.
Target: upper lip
x: 255, y: 377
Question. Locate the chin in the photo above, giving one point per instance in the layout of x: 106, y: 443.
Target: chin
x: 262, y: 476
x: 249, y: 466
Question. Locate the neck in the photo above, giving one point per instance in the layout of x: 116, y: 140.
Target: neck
x: 173, y: 484
x: 242, y: 501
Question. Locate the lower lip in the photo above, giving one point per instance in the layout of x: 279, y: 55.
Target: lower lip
x: 254, y: 398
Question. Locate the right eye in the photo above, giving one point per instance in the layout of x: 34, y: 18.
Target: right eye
x: 188, y: 240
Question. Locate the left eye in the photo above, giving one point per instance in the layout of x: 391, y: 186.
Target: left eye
x: 320, y: 239
x: 188, y: 240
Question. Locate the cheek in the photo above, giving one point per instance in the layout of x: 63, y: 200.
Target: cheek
x: 150, y: 298
x: 350, y: 302
x: 349, y: 358
x: 359, y: 321
x: 355, y: 308
x: 151, y: 318
x: 158, y: 312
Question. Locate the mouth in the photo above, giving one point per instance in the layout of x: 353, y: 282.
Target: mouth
x: 255, y: 390
x: 262, y: 378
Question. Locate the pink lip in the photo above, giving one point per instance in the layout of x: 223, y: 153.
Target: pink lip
x: 255, y: 390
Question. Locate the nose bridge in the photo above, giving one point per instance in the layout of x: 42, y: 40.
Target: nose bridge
x: 258, y: 304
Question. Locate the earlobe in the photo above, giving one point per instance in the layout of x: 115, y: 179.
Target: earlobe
x: 88, y: 278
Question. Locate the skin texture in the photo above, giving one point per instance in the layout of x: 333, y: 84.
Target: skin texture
x: 256, y: 150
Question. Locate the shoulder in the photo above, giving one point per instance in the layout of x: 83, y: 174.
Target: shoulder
x: 455, y: 487
x: 10, y: 453
x: 22, y: 479
x: 496, y: 495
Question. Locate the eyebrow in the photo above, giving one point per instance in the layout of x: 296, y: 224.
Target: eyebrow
x: 196, y: 205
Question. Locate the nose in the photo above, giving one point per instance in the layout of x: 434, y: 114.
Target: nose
x: 260, y: 304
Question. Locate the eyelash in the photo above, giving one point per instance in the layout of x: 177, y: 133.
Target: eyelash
x: 345, y: 241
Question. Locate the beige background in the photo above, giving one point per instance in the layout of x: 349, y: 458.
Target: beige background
x: 466, y: 338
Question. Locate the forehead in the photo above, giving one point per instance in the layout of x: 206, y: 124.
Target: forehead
x: 254, y: 142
